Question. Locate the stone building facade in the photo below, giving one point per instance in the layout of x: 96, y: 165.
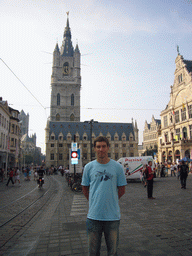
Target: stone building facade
x: 64, y: 120
x: 175, y: 141
x: 123, y: 138
x: 4, y: 133
x: 24, y: 122
x: 30, y: 153
x: 14, y: 138
x: 151, y: 133
x: 9, y: 136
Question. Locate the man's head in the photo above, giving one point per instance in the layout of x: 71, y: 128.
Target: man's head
x: 101, y: 146
x: 150, y: 163
x: 101, y: 139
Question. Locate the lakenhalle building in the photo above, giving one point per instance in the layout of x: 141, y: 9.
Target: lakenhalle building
x: 64, y: 120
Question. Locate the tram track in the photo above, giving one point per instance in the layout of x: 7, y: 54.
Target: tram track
x: 18, y: 214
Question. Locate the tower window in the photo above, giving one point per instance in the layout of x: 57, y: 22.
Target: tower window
x: 57, y: 117
x: 72, y: 117
x: 58, y: 99
x: 72, y: 99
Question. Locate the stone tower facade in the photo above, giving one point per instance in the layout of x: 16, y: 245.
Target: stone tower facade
x: 24, y: 122
x: 65, y: 81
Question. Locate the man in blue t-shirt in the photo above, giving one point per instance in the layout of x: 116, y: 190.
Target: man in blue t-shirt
x: 103, y: 185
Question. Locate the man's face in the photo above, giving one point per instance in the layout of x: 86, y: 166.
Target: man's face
x: 101, y: 149
x: 150, y: 163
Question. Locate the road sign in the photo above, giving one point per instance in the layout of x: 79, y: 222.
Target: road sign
x: 74, y: 157
x: 74, y: 146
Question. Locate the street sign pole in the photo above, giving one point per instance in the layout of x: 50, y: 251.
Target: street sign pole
x: 74, y: 164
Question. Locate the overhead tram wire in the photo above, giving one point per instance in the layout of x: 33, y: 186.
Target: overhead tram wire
x: 24, y: 85
x: 123, y: 109
x: 135, y: 109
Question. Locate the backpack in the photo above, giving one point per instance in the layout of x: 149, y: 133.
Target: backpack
x: 184, y: 170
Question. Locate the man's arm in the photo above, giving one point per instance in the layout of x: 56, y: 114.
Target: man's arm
x: 86, y: 191
x: 121, y: 191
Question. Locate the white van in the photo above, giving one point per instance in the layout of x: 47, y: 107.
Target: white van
x: 134, y: 165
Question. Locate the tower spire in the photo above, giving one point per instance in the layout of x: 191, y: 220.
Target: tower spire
x: 67, y: 47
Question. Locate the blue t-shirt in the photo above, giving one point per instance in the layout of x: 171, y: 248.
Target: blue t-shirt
x: 103, y: 180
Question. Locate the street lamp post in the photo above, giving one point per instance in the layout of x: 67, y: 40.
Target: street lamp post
x: 91, y: 122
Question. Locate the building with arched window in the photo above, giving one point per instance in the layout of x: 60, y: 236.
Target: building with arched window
x: 64, y: 120
x: 175, y: 141
x: 65, y: 80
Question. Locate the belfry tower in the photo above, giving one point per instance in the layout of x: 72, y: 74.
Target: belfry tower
x: 65, y: 80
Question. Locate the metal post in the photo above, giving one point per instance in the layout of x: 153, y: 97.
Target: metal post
x: 74, y: 164
x: 91, y: 122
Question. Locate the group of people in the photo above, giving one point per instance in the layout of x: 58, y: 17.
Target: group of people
x: 147, y: 175
x: 13, y: 176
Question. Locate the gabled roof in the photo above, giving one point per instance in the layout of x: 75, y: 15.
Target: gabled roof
x: 84, y: 127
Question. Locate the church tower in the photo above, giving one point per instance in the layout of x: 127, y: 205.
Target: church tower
x: 65, y: 80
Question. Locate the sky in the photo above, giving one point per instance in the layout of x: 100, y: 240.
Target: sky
x: 128, y: 51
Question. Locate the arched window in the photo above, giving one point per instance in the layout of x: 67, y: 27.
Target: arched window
x: 57, y: 117
x: 72, y: 99
x: 184, y: 133
x: 177, y: 154
x: 187, y: 153
x: 72, y: 117
x: 58, y: 99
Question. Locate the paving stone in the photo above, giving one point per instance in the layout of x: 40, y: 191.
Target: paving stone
x: 157, y: 227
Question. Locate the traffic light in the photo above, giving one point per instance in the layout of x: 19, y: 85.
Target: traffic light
x: 74, y: 157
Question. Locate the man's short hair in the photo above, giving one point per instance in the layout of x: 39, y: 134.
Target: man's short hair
x: 149, y: 161
x: 100, y: 139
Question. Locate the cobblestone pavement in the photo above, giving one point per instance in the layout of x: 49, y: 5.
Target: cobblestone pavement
x: 148, y: 227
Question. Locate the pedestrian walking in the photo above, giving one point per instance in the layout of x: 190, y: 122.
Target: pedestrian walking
x: 162, y: 170
x: 178, y: 170
x: 172, y: 169
x: 17, y: 176
x: 158, y: 170
x: 149, y: 175
x: 10, y: 177
x: 103, y: 184
x: 183, y: 168
x: 141, y: 176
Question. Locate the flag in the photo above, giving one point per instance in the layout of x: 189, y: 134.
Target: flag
x: 183, y: 106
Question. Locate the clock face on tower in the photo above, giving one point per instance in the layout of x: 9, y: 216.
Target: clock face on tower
x: 66, y: 69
